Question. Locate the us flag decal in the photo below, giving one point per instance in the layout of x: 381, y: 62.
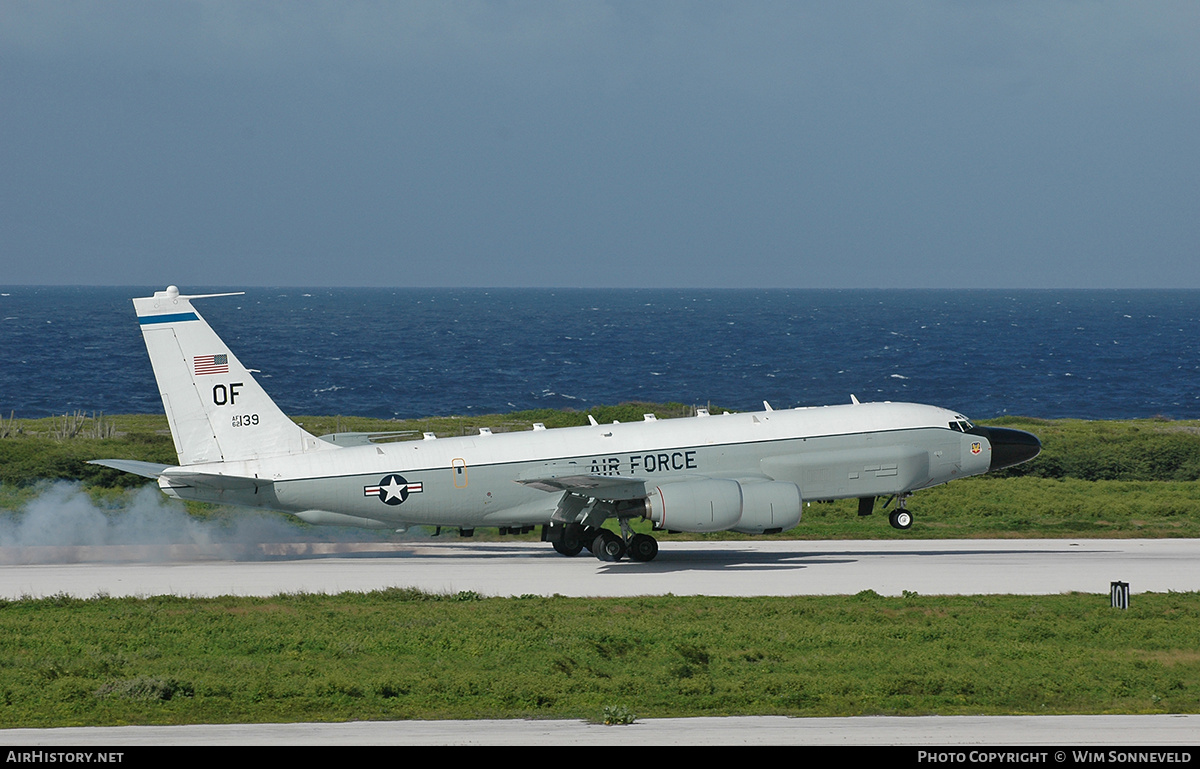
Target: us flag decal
x: 211, y: 364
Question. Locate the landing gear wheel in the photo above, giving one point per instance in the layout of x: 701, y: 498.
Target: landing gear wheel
x: 900, y: 519
x: 643, y: 547
x: 608, y: 546
x: 569, y: 543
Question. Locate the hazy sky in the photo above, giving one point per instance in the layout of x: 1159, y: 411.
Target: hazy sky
x: 692, y: 144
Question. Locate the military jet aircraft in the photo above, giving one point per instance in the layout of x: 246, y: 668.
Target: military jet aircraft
x: 746, y: 472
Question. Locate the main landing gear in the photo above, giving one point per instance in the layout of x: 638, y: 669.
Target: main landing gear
x: 570, y: 539
x: 610, y: 546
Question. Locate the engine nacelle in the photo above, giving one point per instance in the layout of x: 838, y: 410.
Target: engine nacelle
x: 720, y: 504
x: 708, y: 505
x: 769, y: 506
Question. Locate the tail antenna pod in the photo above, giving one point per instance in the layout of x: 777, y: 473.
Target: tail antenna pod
x: 172, y: 293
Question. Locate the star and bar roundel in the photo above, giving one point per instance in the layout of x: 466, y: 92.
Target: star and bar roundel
x: 393, y: 489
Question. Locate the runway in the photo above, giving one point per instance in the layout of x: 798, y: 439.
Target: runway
x: 981, y: 733
x: 928, y: 567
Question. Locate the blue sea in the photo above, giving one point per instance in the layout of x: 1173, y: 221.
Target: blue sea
x: 422, y: 352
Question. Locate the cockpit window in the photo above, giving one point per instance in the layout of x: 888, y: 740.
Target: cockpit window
x: 961, y: 425
x: 956, y: 426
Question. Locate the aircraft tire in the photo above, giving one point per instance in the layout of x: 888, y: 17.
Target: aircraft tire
x: 608, y: 546
x: 572, y: 533
x: 900, y: 519
x: 588, y: 536
x: 567, y: 544
x: 643, y: 547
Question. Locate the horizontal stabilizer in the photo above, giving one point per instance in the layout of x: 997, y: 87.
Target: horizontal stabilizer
x: 144, y: 469
x: 364, y: 439
x: 177, y: 476
x: 215, y: 481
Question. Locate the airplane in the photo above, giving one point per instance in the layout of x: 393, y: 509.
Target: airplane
x: 745, y: 472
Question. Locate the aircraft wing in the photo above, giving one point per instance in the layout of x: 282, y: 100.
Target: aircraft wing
x: 612, y: 487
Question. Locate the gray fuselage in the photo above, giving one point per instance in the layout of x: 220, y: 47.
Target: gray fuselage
x: 829, y: 452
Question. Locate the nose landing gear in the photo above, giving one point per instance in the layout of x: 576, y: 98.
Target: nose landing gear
x: 901, y: 518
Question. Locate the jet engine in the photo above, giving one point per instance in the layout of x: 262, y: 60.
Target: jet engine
x: 769, y: 507
x: 719, y: 504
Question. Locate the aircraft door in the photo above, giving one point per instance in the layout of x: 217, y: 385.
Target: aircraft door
x: 459, y: 468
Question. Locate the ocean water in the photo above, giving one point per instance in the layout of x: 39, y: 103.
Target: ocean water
x: 421, y: 352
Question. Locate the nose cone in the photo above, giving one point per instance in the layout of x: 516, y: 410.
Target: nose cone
x: 1009, y: 447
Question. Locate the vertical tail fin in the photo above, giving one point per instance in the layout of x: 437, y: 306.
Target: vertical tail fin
x: 217, y: 412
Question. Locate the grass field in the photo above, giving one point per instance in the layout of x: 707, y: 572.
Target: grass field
x: 401, y: 654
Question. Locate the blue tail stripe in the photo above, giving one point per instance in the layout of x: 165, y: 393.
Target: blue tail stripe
x: 177, y: 317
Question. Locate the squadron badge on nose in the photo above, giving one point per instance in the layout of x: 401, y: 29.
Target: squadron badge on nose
x: 392, y: 490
